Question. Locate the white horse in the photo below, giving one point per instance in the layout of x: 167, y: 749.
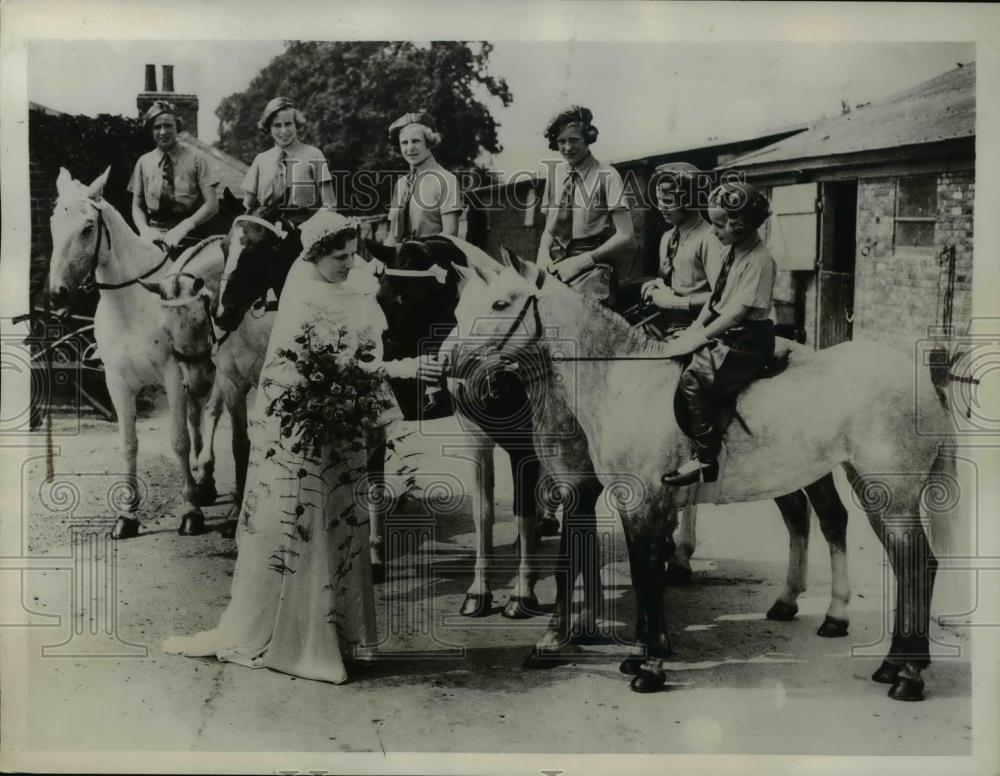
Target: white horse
x: 852, y: 405
x: 93, y: 243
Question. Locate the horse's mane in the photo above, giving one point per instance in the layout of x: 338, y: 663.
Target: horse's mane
x: 634, y: 339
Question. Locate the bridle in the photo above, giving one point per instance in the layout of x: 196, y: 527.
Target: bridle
x: 259, y: 304
x: 531, y: 303
x: 435, y: 271
x: 103, y: 233
x: 214, y: 342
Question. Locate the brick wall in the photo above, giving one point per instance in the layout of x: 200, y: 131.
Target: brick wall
x: 899, y: 293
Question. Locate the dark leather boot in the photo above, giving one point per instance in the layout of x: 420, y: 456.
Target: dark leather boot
x: 701, y: 412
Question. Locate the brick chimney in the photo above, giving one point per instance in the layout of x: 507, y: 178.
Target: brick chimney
x: 186, y: 104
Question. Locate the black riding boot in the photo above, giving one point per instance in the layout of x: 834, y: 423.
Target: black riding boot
x: 705, y: 435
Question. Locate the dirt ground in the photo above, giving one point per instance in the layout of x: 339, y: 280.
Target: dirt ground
x: 738, y: 683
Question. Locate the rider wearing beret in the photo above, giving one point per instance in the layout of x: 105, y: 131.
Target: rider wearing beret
x: 292, y: 175
x: 732, y: 338
x: 588, y: 229
x: 425, y: 202
x: 690, y: 256
x: 173, y: 186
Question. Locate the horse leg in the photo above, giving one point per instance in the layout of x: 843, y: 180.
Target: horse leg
x: 833, y: 521
x: 526, y: 471
x: 123, y: 398
x: 479, y: 598
x: 192, y: 518
x: 914, y: 567
x: 579, y: 554
x: 377, y: 506
x: 794, y: 509
x: 679, y: 565
x: 585, y: 558
x: 203, y: 427
x: 647, y: 556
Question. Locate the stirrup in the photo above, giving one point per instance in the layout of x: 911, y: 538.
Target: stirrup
x: 691, y: 472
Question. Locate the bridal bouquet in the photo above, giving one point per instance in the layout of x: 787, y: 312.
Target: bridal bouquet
x: 336, y: 401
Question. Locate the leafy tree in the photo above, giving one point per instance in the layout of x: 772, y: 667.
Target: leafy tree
x: 351, y: 91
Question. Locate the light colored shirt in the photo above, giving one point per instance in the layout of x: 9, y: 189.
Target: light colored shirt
x: 193, y: 170
x: 697, y: 261
x: 435, y: 193
x: 599, y: 193
x: 305, y: 173
x: 750, y: 281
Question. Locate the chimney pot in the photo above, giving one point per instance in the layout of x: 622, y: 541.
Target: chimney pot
x: 150, y: 78
x: 168, y: 78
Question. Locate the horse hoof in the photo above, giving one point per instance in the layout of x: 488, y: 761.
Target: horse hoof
x: 125, y: 528
x: 205, y: 494
x: 192, y: 525
x: 630, y: 666
x: 537, y: 659
x: 548, y: 526
x: 907, y: 689
x: 648, y: 680
x: 782, y: 611
x: 520, y: 607
x: 832, y: 628
x: 378, y: 573
x: 677, y: 576
x: 887, y: 673
x: 477, y: 605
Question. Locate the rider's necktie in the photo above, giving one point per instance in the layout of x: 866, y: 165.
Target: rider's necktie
x: 672, y: 244
x: 720, y: 283
x: 167, y: 185
x: 280, y: 180
x: 403, y: 221
x: 562, y: 229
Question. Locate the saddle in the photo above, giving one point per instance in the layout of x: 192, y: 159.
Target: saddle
x: 726, y: 409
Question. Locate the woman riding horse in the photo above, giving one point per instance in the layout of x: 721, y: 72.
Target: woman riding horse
x: 588, y: 229
x: 690, y: 256
x: 173, y: 186
x: 291, y: 175
x: 732, y: 337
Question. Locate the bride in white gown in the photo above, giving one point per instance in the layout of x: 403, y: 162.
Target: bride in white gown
x: 302, y: 595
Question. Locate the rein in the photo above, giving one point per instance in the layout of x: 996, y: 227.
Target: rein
x: 103, y: 231
x: 532, y: 302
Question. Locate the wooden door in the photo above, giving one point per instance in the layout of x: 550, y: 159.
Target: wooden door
x: 837, y: 248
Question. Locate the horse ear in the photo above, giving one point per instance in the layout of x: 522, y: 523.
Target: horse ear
x: 154, y: 287
x: 94, y: 189
x: 464, y: 273
x: 505, y: 256
x: 519, y: 264
x: 63, y: 180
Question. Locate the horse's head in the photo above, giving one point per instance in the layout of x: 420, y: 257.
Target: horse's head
x: 259, y: 249
x: 79, y: 237
x: 187, y: 314
x: 498, y: 307
x: 419, y: 293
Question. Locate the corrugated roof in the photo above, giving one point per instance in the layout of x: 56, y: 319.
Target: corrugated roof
x: 943, y: 108
x: 231, y: 170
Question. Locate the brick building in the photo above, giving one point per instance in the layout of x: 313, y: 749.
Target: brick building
x: 872, y: 226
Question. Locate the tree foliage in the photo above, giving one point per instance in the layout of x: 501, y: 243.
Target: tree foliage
x: 351, y: 91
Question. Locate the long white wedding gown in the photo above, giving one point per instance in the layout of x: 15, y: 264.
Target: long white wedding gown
x: 302, y: 594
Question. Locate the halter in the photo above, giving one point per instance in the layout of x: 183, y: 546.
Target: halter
x: 439, y: 273
x: 532, y: 302
x: 274, y: 228
x: 215, y: 342
x: 102, y: 231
